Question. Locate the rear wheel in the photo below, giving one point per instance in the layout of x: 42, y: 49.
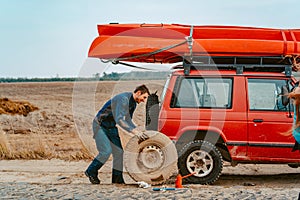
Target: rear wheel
x: 203, y: 160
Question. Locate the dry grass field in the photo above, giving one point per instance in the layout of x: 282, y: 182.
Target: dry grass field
x: 64, y: 115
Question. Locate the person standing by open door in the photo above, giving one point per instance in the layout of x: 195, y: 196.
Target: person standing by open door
x: 295, y: 95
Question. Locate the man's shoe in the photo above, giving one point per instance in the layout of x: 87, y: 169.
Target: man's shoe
x: 93, y: 179
x: 117, y: 177
x: 119, y: 181
x: 92, y: 171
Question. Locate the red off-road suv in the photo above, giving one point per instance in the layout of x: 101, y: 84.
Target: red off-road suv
x: 228, y: 109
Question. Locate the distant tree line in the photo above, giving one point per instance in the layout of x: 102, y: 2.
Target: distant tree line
x: 9, y: 80
x: 114, y: 76
x: 135, y: 75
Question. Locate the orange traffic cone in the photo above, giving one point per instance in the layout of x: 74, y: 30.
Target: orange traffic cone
x: 178, y: 181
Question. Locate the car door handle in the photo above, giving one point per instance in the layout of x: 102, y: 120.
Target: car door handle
x: 258, y: 120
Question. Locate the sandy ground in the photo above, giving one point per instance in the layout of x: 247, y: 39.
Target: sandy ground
x: 64, y: 117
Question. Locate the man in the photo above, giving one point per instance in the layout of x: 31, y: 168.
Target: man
x: 117, y: 111
x: 295, y: 95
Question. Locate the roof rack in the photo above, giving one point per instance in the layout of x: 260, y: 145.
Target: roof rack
x: 240, y: 63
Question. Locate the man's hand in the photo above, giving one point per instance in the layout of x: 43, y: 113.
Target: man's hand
x: 136, y: 131
x: 141, y: 135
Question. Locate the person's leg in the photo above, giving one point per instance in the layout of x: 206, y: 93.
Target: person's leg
x: 296, y: 135
x: 92, y: 171
x: 296, y: 146
x: 117, y: 152
x: 104, y: 149
x: 103, y: 145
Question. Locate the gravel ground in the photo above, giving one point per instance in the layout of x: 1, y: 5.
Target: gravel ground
x: 56, y: 179
x: 87, y: 191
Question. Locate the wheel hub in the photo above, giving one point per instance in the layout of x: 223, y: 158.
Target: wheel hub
x: 199, y: 162
x: 151, y: 157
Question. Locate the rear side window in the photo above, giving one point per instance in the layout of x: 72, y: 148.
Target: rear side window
x: 266, y: 94
x: 197, y: 92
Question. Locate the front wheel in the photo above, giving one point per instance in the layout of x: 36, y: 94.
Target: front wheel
x: 203, y: 160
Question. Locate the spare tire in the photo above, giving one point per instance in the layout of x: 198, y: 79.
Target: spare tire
x: 153, y: 160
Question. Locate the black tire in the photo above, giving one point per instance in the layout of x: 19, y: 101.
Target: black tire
x: 153, y: 160
x: 203, y: 159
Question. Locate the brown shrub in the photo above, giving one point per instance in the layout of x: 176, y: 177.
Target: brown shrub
x: 16, y: 107
x: 34, y: 146
x: 4, y: 147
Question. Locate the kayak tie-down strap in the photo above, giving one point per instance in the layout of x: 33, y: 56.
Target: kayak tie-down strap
x: 188, y: 40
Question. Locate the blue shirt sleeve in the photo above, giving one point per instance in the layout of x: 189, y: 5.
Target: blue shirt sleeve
x: 122, y: 115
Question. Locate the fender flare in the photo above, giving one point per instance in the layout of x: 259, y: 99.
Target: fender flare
x: 182, y: 131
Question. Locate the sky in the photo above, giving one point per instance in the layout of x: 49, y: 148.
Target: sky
x: 50, y: 38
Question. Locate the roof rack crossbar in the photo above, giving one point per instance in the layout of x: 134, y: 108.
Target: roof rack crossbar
x: 241, y: 64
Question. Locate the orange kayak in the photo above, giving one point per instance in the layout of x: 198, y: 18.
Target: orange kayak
x: 168, y: 43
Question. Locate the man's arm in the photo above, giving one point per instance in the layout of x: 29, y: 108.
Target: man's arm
x: 123, y: 119
x: 121, y: 114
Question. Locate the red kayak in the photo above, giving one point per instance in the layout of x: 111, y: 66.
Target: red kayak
x: 168, y: 43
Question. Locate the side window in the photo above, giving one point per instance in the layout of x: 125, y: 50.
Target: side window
x: 187, y: 95
x: 204, y: 93
x: 266, y: 94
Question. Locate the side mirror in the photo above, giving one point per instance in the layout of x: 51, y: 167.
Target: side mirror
x: 284, y: 95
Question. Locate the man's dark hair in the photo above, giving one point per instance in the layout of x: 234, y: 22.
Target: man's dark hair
x: 142, y: 88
